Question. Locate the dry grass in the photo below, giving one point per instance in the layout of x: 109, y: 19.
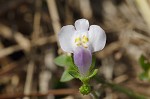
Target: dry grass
x: 28, y: 43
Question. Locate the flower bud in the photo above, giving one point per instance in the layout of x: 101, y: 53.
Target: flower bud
x: 85, y: 89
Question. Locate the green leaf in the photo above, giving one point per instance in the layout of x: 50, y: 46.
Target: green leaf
x: 144, y: 63
x: 66, y: 76
x: 93, y: 73
x: 74, y: 73
x: 144, y: 76
x: 93, y: 63
x: 73, y: 67
x: 64, y: 60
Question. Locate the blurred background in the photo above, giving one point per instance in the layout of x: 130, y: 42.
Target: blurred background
x: 28, y: 45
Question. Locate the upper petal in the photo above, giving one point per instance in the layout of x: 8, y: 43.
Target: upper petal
x: 97, y: 38
x: 65, y: 37
x: 82, y: 24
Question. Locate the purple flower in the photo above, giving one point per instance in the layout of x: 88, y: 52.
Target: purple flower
x: 82, y: 40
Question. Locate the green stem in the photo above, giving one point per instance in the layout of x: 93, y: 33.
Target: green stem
x: 122, y: 89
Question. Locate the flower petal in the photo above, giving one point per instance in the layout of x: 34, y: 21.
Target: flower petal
x: 82, y: 24
x: 82, y: 59
x: 97, y: 38
x: 65, y: 38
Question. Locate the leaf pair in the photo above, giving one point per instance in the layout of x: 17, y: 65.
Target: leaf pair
x: 66, y: 61
x: 71, y: 71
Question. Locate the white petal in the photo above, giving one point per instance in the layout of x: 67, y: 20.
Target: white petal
x: 82, y: 24
x: 97, y: 38
x: 65, y: 38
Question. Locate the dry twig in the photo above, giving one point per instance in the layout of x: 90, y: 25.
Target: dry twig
x: 36, y: 94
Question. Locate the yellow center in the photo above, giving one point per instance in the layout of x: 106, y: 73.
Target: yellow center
x: 82, y: 41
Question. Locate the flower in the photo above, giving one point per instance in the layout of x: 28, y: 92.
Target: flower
x: 82, y: 41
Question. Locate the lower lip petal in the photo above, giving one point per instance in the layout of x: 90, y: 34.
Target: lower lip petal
x: 82, y: 59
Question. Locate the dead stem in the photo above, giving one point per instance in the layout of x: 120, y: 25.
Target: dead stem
x: 34, y: 94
